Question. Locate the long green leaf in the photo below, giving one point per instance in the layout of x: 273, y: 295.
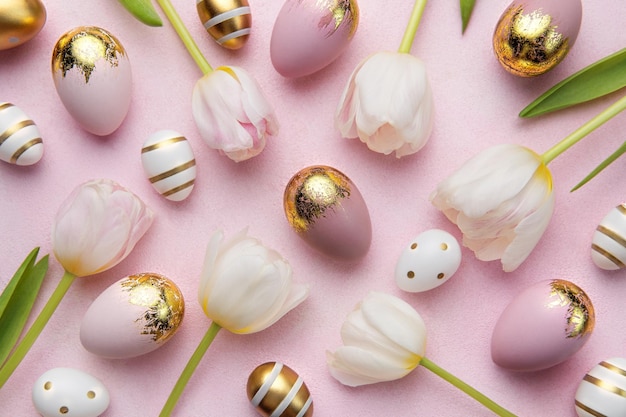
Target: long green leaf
x: 8, y: 291
x: 20, y: 303
x: 467, y: 6
x: 596, y: 80
x: 143, y: 11
x: 608, y: 161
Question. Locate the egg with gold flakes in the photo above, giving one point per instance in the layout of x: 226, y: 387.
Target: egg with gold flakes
x: 169, y: 164
x: 229, y: 22
x: 20, y: 140
x: 92, y: 76
x: 608, y: 244
x: 542, y: 326
x: 275, y: 389
x: 308, y: 35
x: 326, y: 209
x: 132, y: 317
x: 20, y: 21
x: 533, y: 36
x: 602, y: 391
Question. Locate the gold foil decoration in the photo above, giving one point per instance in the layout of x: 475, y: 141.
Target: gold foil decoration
x: 229, y: 22
x: 528, y: 44
x: 20, y: 21
x: 341, y: 12
x: 580, y: 312
x: 164, y: 304
x: 82, y: 48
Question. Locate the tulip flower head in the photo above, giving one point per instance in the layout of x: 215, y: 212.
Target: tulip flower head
x: 232, y: 113
x: 385, y: 339
x: 245, y: 287
x: 502, y: 201
x: 387, y: 102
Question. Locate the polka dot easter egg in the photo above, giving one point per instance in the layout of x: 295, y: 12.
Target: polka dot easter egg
x: 20, y: 141
x: 428, y: 261
x: 69, y: 392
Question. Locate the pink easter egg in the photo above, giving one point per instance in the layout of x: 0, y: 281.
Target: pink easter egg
x: 310, y: 34
x: 543, y: 326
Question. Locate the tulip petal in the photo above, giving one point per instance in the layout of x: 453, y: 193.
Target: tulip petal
x: 354, y: 366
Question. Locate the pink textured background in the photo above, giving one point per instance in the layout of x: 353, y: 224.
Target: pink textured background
x: 477, y: 105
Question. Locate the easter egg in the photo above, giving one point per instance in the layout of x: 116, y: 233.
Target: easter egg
x: 92, y: 77
x: 310, y: 34
x: 542, y: 326
x: 169, y: 164
x: 275, y: 389
x: 326, y: 209
x: 71, y: 392
x: 20, y: 141
x: 602, y: 391
x: 227, y: 21
x: 608, y: 244
x: 533, y: 36
x: 132, y: 317
x: 20, y: 21
x: 428, y: 261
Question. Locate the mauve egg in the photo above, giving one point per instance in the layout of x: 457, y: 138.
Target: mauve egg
x: 20, y: 21
x: 134, y: 316
x: 542, y: 326
x: 229, y: 22
x: 608, y: 244
x: 20, y: 140
x: 275, y: 389
x: 92, y: 76
x: 533, y: 36
x: 310, y: 34
x: 327, y: 211
x: 602, y: 391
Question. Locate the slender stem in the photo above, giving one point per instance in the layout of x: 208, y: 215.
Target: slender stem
x: 584, y: 130
x: 411, y: 28
x: 472, y: 392
x: 185, y: 36
x: 189, y: 369
x: 35, y: 329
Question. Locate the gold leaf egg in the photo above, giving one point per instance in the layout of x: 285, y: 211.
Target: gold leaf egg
x: 227, y: 21
x: 275, y: 389
x: 20, y: 21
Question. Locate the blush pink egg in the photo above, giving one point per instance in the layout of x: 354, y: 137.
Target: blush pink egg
x: 310, y: 34
x: 543, y: 326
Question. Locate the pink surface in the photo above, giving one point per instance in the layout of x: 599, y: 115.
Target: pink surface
x: 477, y: 104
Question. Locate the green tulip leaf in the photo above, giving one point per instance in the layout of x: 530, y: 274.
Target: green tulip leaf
x: 143, y: 11
x: 17, y: 300
x: 466, y: 12
x: 596, y: 80
x: 608, y: 161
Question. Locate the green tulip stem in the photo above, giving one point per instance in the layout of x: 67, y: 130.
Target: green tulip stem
x: 472, y: 392
x: 189, y: 369
x: 185, y: 36
x: 584, y: 130
x: 411, y: 28
x: 35, y: 329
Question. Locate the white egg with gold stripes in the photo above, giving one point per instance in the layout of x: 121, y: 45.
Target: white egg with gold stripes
x: 169, y: 164
x: 602, y: 391
x: 20, y: 141
x: 275, y: 389
x: 229, y: 22
x: 608, y: 245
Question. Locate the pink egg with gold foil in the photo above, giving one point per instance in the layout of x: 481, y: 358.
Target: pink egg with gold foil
x: 543, y: 326
x: 310, y: 34
x: 92, y: 77
x: 328, y: 212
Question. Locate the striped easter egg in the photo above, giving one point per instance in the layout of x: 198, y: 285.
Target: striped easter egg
x: 169, y: 164
x: 275, y: 389
x: 602, y: 392
x: 227, y: 21
x: 20, y: 141
x: 608, y: 245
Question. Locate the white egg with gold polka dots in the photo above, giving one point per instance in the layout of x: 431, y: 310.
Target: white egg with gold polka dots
x: 71, y: 392
x: 428, y: 261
